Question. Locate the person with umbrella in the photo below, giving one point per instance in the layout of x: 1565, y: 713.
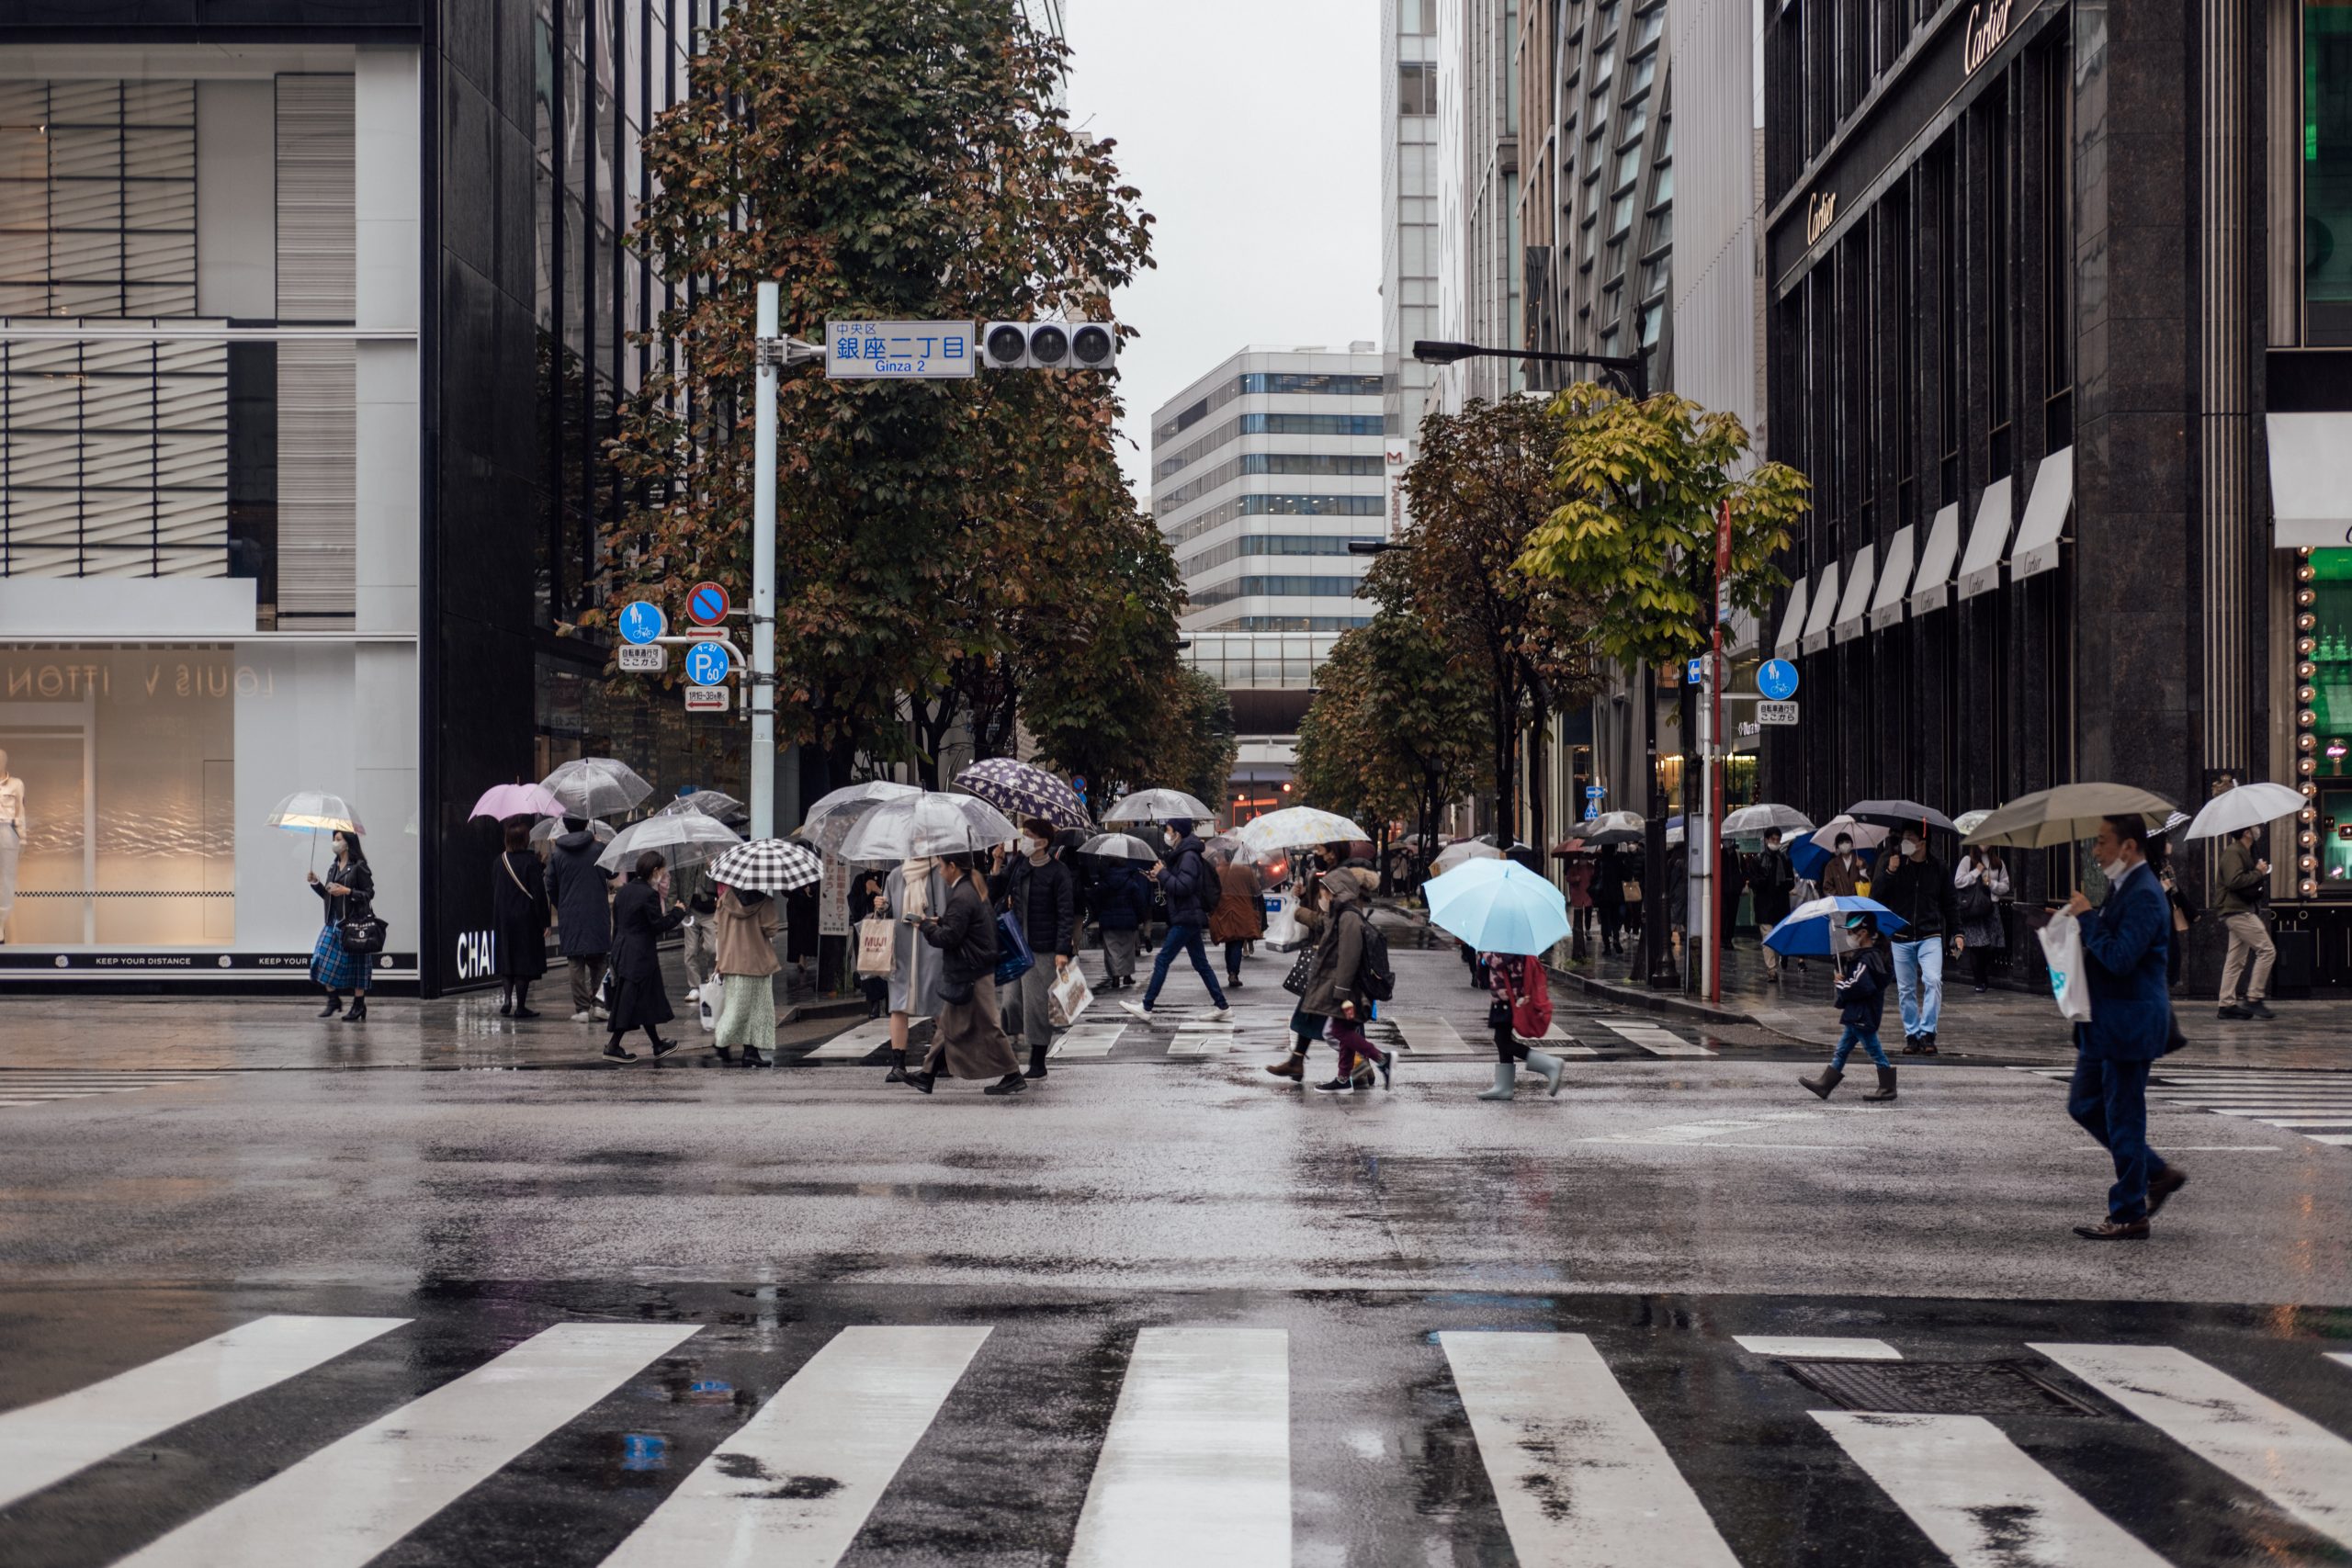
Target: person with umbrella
x: 1183, y: 877
x: 581, y: 894
x: 1041, y: 892
x: 1239, y: 917
x: 867, y: 899
x: 1859, y: 995
x: 348, y: 893
x: 1844, y: 872
x: 1979, y: 886
x: 915, y: 891
x: 2245, y: 881
x: 1309, y: 875
x: 1920, y: 890
x: 2124, y: 940
x: 639, y: 998
x: 1335, y: 982
x: 968, y: 1042
x: 744, y: 965
x: 1609, y: 880
x: 519, y: 911
x: 1121, y: 898
x: 1770, y: 881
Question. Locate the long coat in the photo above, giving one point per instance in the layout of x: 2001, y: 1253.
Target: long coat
x: 914, y: 969
x: 582, y: 892
x: 968, y: 1042
x: 518, y: 909
x: 1339, y: 956
x: 2124, y: 943
x: 1241, y: 912
x: 639, y: 998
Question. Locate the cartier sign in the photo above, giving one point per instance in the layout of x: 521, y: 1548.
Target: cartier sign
x: 1987, y: 26
x: 1819, y: 213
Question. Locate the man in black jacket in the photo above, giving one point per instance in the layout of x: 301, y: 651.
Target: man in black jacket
x: 1042, y: 894
x: 1918, y: 887
x: 1770, y: 880
x: 1192, y: 889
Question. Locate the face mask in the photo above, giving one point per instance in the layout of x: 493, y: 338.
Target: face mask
x: 1913, y: 848
x: 1172, y: 840
x: 1028, y: 845
x: 2111, y: 869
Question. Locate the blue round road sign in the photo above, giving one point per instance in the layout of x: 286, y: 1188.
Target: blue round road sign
x: 706, y: 604
x: 642, y: 622
x: 1776, y: 678
x: 708, y: 664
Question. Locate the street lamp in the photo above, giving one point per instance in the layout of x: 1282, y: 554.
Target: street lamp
x: 1631, y: 370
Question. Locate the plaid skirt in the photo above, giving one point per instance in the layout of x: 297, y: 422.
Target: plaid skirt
x: 332, y: 967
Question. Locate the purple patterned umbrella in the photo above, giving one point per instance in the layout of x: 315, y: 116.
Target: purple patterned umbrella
x: 1020, y: 789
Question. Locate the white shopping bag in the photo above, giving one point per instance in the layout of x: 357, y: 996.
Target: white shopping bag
x: 2062, y: 945
x: 1282, y: 931
x: 707, y: 1008
x: 877, y: 947
x: 1069, y: 996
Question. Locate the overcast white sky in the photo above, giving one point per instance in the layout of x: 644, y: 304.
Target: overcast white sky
x: 1252, y: 127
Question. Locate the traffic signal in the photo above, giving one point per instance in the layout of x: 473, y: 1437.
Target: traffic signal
x: 1048, y: 345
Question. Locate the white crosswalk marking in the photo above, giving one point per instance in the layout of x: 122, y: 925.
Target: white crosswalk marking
x: 858, y: 1044
x: 1196, y: 1468
x: 358, y: 1495
x: 2286, y: 1457
x: 43, y: 1086
x: 1658, y: 1042
x: 1087, y: 1037
x: 2341, y: 1358
x: 1581, y: 1480
x: 1426, y: 1035
x: 792, y: 1487
x: 1200, y: 1039
x: 1818, y: 1347
x: 1978, y: 1496
x: 44, y: 1443
x: 2315, y: 1106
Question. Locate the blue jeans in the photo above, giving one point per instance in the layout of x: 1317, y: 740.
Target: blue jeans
x: 1920, y: 979
x: 2109, y: 1100
x: 1186, y: 939
x: 1857, y: 1035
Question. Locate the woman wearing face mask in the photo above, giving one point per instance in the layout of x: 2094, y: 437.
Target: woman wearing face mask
x: 348, y: 891
x: 640, y: 921
x: 1041, y: 893
x: 1314, y: 918
x: 1983, y: 936
x: 968, y: 1042
x: 914, y: 892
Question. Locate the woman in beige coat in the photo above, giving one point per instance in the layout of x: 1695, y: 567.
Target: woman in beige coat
x: 745, y: 964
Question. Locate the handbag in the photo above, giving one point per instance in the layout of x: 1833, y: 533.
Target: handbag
x: 1014, y: 959
x: 1069, y: 997
x: 877, y: 947
x: 1302, y: 970
x: 1631, y: 892
x: 363, y: 936
x: 1975, y: 901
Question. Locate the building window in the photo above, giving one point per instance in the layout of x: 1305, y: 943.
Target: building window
x: 2328, y: 172
x: 1620, y: 215
x: 1651, y: 318
x: 1416, y: 87
x: 1604, y: 66
x: 97, y: 199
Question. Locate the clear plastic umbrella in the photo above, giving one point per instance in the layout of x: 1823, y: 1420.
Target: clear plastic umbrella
x: 1453, y: 855
x: 2248, y: 805
x: 826, y: 823
x: 1118, y: 846
x: 551, y: 827
x: 1157, y: 805
x: 1616, y: 828
x: 926, y: 824
x: 596, y: 786
x: 1293, y: 826
x: 315, y: 811
x: 687, y: 839
x: 716, y: 805
x: 1751, y: 821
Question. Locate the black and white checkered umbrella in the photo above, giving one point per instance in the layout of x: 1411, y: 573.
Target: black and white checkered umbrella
x: 767, y: 866
x: 1023, y: 789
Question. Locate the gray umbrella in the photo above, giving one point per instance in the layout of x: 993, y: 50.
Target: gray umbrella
x: 596, y: 786
x: 1118, y: 846
x: 687, y: 839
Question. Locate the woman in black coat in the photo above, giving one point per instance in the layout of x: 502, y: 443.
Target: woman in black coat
x: 518, y: 909
x: 639, y: 998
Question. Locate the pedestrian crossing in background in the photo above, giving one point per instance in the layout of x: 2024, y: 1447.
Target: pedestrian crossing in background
x: 2316, y: 1105
x: 42, y: 1086
x: 1194, y: 1463
x: 1190, y: 1033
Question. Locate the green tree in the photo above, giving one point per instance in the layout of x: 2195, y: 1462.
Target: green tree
x: 1396, y: 729
x: 880, y: 159
x: 1190, y: 742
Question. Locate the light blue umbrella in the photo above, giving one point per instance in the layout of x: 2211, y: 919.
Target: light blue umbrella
x: 1805, y: 933
x: 1498, y: 905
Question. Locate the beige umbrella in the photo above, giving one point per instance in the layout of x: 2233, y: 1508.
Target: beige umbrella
x: 2066, y: 815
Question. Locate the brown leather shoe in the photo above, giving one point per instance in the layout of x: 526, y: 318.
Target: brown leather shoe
x: 2114, y: 1230
x: 2165, y: 1186
x: 1291, y: 1067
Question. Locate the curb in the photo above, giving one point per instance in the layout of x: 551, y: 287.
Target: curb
x: 1655, y: 1001
x: 823, y: 1007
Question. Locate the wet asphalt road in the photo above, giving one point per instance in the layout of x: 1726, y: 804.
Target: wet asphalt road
x: 1660, y: 1206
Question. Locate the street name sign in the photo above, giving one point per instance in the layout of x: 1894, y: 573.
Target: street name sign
x: 706, y: 604
x: 900, y: 350
x: 1776, y: 713
x: 708, y: 663
x: 1776, y: 678
x: 642, y: 622
x: 638, y: 661
x: 706, y: 699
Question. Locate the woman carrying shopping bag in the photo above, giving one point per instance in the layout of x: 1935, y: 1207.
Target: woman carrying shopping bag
x: 745, y: 965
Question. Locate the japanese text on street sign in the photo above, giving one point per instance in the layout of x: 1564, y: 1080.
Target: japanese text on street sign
x: 1776, y: 713
x: 707, y: 663
x: 705, y: 699
x: 642, y: 622
x: 900, y: 350
x: 706, y: 604
x: 643, y: 660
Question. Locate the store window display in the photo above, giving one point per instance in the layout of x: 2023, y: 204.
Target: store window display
x: 12, y: 838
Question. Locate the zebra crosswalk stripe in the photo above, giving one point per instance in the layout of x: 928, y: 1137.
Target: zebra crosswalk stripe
x: 2286, y: 1457
x: 354, y: 1498
x: 857, y: 1043
x: 1581, y: 1479
x: 44, y: 1443
x: 1202, y: 1039
x: 1088, y: 1038
x: 1650, y: 1037
x: 1818, y: 1347
x: 1977, y: 1495
x: 1196, y: 1468
x: 793, y: 1486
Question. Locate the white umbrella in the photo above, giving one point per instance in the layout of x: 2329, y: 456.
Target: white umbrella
x: 553, y: 828
x: 1293, y: 826
x: 1615, y: 827
x: 1751, y: 821
x: 1456, y: 853
x: 687, y: 839
x: 1967, y: 822
x: 1118, y: 846
x: 926, y: 824
x: 716, y: 805
x: 2248, y: 805
x: 315, y: 811
x: 1158, y: 805
x: 1866, y: 835
x: 596, y: 786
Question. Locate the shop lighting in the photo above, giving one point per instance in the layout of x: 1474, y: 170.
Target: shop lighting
x: 2305, y: 718
x: 2335, y: 749
x: 2306, y: 621
x: 2307, y: 742
x: 2306, y: 646
x: 2307, y: 766
x: 2309, y: 866
x: 2307, y: 597
x: 2306, y: 694
x: 2307, y: 840
x: 2306, y: 670
x: 2305, y: 573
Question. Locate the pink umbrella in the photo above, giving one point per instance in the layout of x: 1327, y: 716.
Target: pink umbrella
x: 502, y: 801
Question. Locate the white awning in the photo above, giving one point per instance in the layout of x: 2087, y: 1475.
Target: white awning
x: 1980, y: 568
x: 1886, y: 604
x: 1931, y: 590
x: 1856, y: 603
x: 2046, y: 511
x: 1824, y: 605
x: 2311, y: 480
x: 1791, y: 622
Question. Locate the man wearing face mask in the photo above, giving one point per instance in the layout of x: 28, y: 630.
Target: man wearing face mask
x: 1042, y: 894
x: 1183, y: 877
x: 1915, y: 886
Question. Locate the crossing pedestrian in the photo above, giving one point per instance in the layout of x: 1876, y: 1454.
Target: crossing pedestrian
x: 518, y: 907
x: 1520, y: 1011
x: 349, y: 893
x: 1313, y: 914
x: 915, y: 890
x: 1335, y: 985
x: 640, y: 1000
x: 744, y: 964
x: 1184, y: 876
x: 698, y: 930
x: 969, y: 1042
x: 1915, y: 886
x: 1858, y: 993
x: 1239, y: 918
x: 580, y: 893
x: 1609, y: 898
x: 1844, y: 872
x: 1770, y: 881
x: 1122, y: 901
x: 2245, y: 886
x: 867, y: 899
x: 2131, y: 1025
x: 1041, y: 892
x: 1980, y: 886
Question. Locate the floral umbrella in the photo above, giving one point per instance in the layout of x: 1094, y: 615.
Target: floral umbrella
x: 1293, y: 826
x: 1021, y: 790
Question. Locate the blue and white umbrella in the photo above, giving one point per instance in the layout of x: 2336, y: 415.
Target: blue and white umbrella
x: 1498, y: 905
x: 1805, y: 933
x: 1022, y: 790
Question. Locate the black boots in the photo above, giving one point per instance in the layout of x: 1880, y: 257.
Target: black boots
x: 1829, y: 1079
x: 359, y: 1012
x: 752, y: 1058
x: 1011, y: 1083
x: 1885, y: 1090
x: 334, y: 1005
x: 1036, y: 1062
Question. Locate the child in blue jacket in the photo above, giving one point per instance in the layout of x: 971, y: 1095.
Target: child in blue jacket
x: 1862, y: 977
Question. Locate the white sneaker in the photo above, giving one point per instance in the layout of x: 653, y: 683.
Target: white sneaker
x: 579, y: 1018
x: 1139, y: 1010
x: 693, y: 993
x: 1220, y: 1015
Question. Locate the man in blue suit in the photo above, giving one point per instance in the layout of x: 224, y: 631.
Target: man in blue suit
x: 2124, y: 942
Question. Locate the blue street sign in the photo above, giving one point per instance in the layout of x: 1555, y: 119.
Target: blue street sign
x: 1591, y: 811
x: 707, y: 663
x: 1776, y: 678
x: 706, y: 604
x: 1595, y: 791
x: 1690, y: 675
x: 642, y: 622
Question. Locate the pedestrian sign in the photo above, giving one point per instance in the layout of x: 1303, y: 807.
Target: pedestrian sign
x: 642, y: 622
x: 1776, y: 678
x: 706, y: 604
x: 705, y: 699
x: 708, y: 663
x: 900, y: 350
x: 1591, y: 810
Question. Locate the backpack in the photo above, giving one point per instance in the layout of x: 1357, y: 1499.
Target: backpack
x: 1374, y: 978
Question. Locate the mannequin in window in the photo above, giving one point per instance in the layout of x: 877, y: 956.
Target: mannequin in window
x: 12, y: 838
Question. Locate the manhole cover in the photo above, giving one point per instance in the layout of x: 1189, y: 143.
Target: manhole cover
x: 1942, y: 1388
